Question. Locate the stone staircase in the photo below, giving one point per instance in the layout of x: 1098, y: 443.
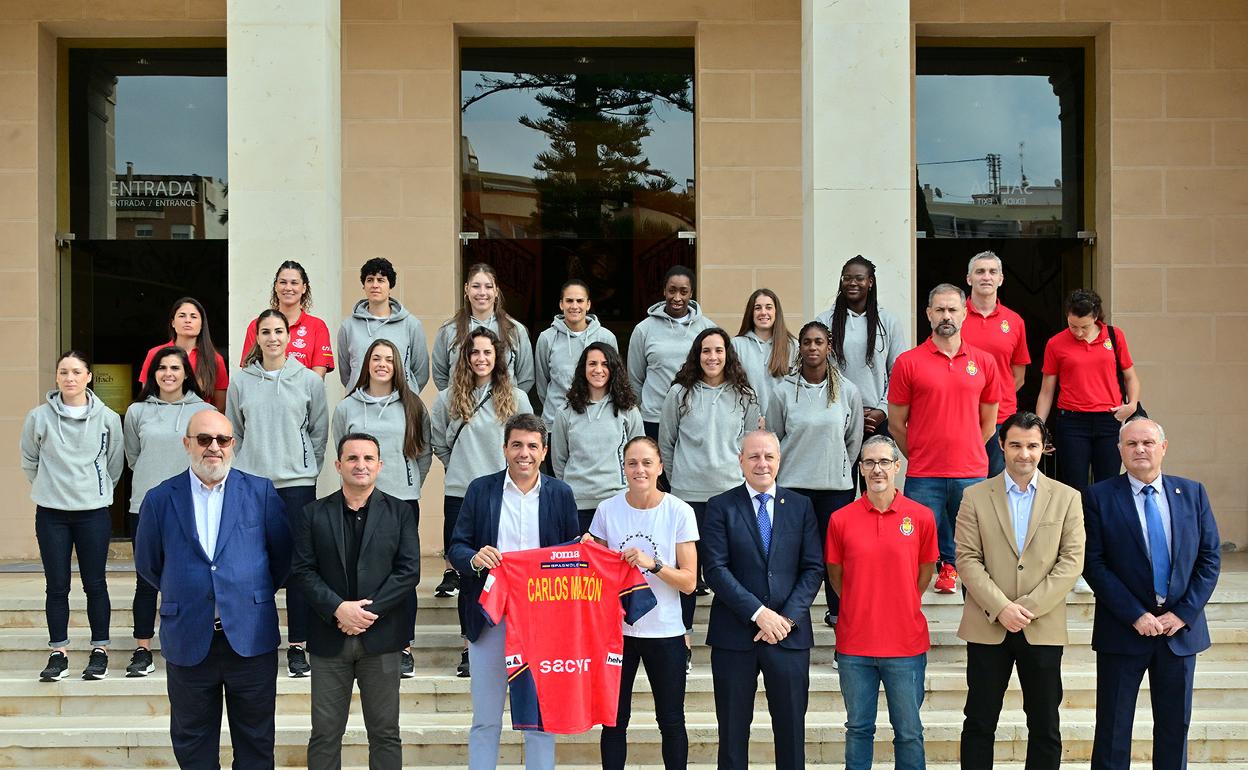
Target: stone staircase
x: 123, y: 722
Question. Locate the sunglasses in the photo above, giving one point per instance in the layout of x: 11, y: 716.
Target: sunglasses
x: 205, y: 440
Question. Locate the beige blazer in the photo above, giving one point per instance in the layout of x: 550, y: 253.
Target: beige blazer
x: 995, y: 573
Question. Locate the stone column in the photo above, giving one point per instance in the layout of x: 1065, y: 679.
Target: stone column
x: 285, y: 152
x: 857, y: 173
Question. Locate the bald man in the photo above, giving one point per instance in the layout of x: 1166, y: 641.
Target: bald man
x: 215, y: 542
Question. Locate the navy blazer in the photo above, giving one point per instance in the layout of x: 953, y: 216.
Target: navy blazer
x: 252, y: 561
x: 1118, y: 568
x: 477, y: 527
x: 785, y: 579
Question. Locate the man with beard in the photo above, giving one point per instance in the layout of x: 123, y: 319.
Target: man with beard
x: 215, y: 542
x: 942, y: 408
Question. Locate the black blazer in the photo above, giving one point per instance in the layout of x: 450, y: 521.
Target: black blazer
x: 477, y: 526
x: 388, y: 570
x: 786, y: 579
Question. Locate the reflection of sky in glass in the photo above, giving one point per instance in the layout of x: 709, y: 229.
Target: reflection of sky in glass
x: 968, y: 116
x: 504, y: 146
x: 171, y: 125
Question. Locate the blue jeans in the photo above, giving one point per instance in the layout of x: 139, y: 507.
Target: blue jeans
x: 903, y: 687
x: 60, y: 534
x: 996, y: 458
x: 944, y: 497
x: 297, y: 608
x: 1087, y: 441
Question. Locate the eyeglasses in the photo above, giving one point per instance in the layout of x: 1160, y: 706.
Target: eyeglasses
x: 870, y: 465
x: 205, y: 440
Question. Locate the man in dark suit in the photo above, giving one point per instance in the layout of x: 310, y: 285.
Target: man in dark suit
x: 765, y: 564
x: 1153, y: 562
x: 516, y: 509
x: 216, y: 544
x: 357, y: 558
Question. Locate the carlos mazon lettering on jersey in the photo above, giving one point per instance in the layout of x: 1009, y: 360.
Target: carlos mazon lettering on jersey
x: 565, y: 588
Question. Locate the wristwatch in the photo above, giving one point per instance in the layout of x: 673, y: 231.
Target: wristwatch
x: 658, y: 565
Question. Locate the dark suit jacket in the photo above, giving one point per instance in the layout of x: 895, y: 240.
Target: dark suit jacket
x: 786, y: 579
x: 477, y: 527
x: 1118, y: 568
x: 388, y: 570
x: 252, y: 560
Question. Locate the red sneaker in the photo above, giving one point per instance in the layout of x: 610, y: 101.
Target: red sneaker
x: 947, y: 579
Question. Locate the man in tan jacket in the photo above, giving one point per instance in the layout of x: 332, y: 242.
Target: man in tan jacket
x: 1020, y: 547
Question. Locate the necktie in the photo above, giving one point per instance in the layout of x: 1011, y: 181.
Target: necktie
x: 1158, y: 550
x: 764, y: 522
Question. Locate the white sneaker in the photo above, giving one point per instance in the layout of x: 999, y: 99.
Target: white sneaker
x: 1082, y: 587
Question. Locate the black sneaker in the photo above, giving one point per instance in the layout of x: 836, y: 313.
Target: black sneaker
x: 462, y: 670
x: 58, y: 667
x: 297, y: 662
x: 703, y: 589
x: 407, y: 667
x: 449, y: 584
x: 688, y: 660
x: 97, y: 664
x: 829, y: 619
x: 140, y: 663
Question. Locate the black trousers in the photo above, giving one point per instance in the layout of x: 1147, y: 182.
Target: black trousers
x: 689, y: 602
x: 988, y: 668
x: 195, y: 698
x: 786, y: 676
x: 826, y: 502
x: 1118, y: 680
x: 664, y: 660
x: 332, y: 681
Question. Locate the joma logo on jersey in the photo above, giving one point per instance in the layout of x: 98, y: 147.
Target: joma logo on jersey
x: 513, y: 661
x: 565, y: 666
x: 615, y: 659
x: 564, y: 554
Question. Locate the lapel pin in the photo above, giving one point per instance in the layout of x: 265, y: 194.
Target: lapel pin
x: 782, y: 501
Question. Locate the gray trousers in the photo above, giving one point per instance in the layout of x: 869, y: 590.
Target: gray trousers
x: 489, y: 689
x: 332, y: 680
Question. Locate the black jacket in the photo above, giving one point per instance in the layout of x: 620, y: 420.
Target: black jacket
x: 388, y: 570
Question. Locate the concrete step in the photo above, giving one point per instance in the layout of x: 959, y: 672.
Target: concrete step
x: 1219, y: 685
x: 1215, y: 736
x: 879, y: 765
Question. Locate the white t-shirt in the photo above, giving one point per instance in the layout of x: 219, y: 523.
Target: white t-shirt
x: 654, y: 529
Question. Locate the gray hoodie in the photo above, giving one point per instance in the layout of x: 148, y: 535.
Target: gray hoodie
x: 154, y: 431
x: 587, y: 450
x: 519, y: 354
x: 755, y: 354
x: 558, y: 350
x: 656, y: 350
x: 280, y: 422
x: 700, y: 447
x: 400, y: 327
x: 890, y: 342
x: 474, y: 448
x: 819, y: 442
x: 385, y: 419
x: 72, y: 462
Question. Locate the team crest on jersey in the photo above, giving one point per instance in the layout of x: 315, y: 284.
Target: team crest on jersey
x: 1005, y: 327
x: 1109, y: 345
x: 907, y: 526
x: 971, y: 368
x: 513, y: 661
x: 299, y: 343
x: 302, y: 331
x: 615, y: 659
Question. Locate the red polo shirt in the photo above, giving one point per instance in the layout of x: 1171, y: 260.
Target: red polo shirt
x: 309, y: 342
x: 881, y: 612
x: 1086, y: 371
x: 1001, y: 335
x: 944, y: 395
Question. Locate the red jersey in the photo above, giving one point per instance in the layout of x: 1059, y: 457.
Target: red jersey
x: 944, y: 395
x: 309, y: 342
x: 223, y: 374
x: 565, y: 607
x: 880, y: 553
x: 1001, y: 335
x: 1086, y: 372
